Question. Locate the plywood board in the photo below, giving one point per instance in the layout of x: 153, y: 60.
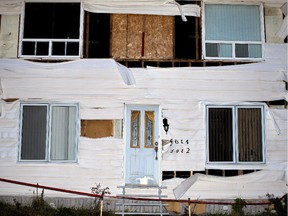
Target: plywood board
x: 142, y: 36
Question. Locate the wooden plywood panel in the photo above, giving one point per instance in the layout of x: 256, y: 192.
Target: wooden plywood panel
x: 118, y: 35
x: 134, y: 32
x: 159, y: 37
x: 142, y: 36
x: 97, y: 128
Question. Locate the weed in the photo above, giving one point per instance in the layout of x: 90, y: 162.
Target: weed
x: 99, y: 200
x: 280, y: 204
x: 237, y: 207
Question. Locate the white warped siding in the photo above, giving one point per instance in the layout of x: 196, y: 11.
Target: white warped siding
x: 101, y: 93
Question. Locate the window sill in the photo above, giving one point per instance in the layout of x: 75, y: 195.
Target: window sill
x: 234, y: 166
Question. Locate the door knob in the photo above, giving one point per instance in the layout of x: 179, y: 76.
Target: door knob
x: 156, y: 150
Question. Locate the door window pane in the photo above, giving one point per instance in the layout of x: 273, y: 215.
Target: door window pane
x: 149, y: 129
x: 135, y: 129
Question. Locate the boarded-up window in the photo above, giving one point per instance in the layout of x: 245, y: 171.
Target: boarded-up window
x: 235, y: 134
x: 48, y: 132
x: 97, y: 128
x: 141, y: 36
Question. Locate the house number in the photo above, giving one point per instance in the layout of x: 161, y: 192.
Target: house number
x: 179, y: 146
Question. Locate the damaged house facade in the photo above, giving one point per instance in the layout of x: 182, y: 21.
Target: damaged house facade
x: 188, y: 97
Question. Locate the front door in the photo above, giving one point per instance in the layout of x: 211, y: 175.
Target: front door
x: 142, y: 157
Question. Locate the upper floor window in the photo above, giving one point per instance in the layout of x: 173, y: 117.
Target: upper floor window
x: 233, y: 31
x: 51, y: 30
x: 48, y: 132
x: 235, y: 134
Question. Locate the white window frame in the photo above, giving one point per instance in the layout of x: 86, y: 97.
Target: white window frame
x: 235, y: 134
x: 48, y: 131
x: 204, y: 41
x: 49, y: 40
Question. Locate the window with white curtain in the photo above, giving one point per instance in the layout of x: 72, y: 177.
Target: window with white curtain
x: 48, y: 132
x: 235, y: 134
x: 233, y: 31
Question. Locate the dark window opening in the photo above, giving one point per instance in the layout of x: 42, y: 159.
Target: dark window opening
x: 51, y: 29
x: 52, y: 20
x: 187, y: 38
x: 97, y: 35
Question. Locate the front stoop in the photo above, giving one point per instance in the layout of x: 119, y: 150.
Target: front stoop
x: 128, y: 206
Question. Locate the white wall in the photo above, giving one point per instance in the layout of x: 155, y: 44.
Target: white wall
x: 99, y: 89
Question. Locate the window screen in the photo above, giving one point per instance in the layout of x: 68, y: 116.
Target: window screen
x: 235, y: 134
x: 220, y: 134
x: 250, y: 134
x: 48, y: 132
x: 34, y: 133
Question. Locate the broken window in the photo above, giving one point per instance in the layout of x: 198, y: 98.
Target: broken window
x: 48, y: 132
x: 233, y: 31
x: 187, y: 41
x: 235, y: 134
x: 97, y: 35
x: 51, y: 30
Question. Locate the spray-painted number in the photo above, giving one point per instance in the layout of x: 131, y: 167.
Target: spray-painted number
x: 186, y: 150
x: 179, y: 146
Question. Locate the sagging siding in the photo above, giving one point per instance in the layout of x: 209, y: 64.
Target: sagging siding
x: 101, y: 93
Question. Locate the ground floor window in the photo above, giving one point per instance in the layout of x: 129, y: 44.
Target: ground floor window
x: 235, y: 134
x: 48, y: 132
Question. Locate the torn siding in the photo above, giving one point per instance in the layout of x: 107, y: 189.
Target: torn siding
x: 101, y: 93
x: 201, y: 186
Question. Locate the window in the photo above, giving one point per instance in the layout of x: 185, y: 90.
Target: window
x: 48, y: 132
x: 233, y: 31
x: 235, y: 134
x: 51, y: 30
